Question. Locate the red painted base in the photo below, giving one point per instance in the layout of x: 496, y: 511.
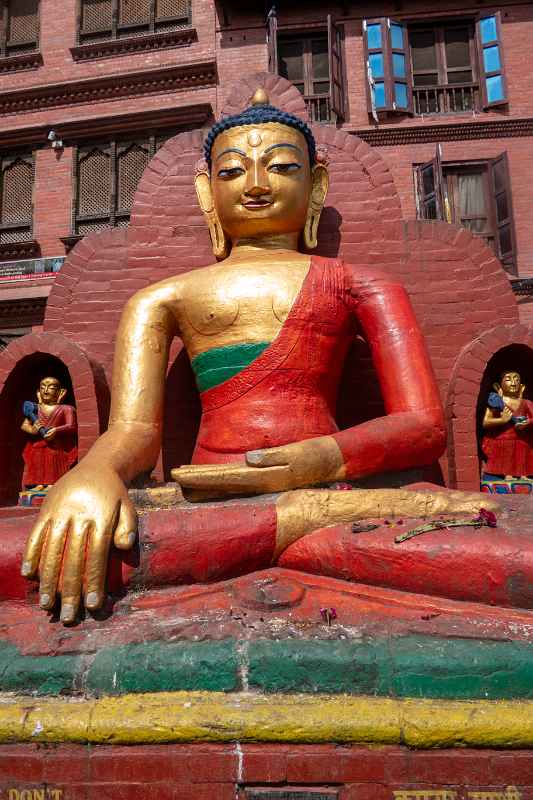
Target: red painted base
x: 239, y: 772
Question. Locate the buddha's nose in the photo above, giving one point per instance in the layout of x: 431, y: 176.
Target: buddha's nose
x: 257, y: 183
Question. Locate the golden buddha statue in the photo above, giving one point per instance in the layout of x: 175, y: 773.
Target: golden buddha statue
x: 266, y: 328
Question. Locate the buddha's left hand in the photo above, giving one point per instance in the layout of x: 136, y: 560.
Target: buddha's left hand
x: 275, y: 469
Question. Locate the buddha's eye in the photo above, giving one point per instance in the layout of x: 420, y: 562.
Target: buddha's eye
x: 230, y: 172
x: 285, y: 169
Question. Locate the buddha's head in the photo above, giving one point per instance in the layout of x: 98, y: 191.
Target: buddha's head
x: 50, y: 391
x: 261, y: 177
x: 511, y: 383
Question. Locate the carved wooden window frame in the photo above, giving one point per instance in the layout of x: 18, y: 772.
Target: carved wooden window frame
x: 114, y: 148
x: 117, y: 31
x: 13, y: 49
x: 329, y: 106
x: 16, y: 234
x: 497, y: 195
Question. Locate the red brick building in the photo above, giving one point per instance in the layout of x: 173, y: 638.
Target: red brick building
x: 89, y: 89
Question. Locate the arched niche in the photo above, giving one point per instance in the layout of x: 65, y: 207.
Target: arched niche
x: 22, y: 384
x: 478, y: 366
x: 23, y: 364
x: 516, y: 357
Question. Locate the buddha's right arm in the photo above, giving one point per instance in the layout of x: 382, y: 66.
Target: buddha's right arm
x: 89, y: 506
x: 133, y: 439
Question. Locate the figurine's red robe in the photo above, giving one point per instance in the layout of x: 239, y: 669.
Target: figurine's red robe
x: 509, y: 450
x: 45, y: 461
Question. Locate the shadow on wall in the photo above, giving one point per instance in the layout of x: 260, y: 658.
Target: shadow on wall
x: 22, y: 384
x: 518, y: 357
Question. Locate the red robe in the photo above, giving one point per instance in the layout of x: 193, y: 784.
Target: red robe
x: 47, y: 461
x: 289, y: 392
x: 510, y: 451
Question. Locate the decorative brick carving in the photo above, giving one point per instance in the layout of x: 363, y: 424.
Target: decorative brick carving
x: 24, y: 61
x: 191, y: 115
x: 132, y: 84
x: 388, y: 136
x: 18, y: 250
x: 134, y: 44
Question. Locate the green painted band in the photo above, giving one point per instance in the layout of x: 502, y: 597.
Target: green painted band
x: 221, y: 363
x: 408, y: 666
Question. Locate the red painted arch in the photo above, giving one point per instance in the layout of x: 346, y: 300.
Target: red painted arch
x: 76, y: 361
x: 462, y: 398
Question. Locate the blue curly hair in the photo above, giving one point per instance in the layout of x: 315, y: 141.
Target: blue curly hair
x: 256, y: 115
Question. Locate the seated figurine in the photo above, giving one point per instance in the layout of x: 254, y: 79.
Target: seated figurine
x: 267, y: 329
x: 51, y: 451
x: 508, y: 438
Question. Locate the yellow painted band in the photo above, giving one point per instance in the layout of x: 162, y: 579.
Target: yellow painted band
x: 218, y: 717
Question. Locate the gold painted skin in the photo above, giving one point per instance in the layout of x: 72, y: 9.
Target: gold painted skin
x: 49, y: 396
x: 260, y: 197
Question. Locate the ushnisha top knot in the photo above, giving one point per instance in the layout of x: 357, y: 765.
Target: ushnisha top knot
x: 259, y: 112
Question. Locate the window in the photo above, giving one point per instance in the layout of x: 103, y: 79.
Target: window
x: 387, y: 58
x: 313, y: 63
x: 100, y: 20
x: 16, y: 199
x: 476, y: 195
x: 19, y: 27
x: 444, y: 69
x: 106, y: 179
x: 439, y: 68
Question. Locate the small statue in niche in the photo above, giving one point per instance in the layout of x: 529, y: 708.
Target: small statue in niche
x: 507, y: 431
x: 52, y: 449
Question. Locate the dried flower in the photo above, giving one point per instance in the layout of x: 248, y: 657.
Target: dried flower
x: 487, y: 517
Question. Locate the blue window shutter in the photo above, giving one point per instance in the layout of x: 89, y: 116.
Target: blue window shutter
x: 388, y: 66
x: 491, y: 63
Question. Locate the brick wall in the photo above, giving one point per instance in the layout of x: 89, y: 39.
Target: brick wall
x: 234, y: 771
x: 238, y: 43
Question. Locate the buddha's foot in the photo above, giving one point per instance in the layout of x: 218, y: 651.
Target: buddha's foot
x: 305, y: 510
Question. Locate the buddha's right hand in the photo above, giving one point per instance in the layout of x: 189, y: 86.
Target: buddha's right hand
x: 69, y: 544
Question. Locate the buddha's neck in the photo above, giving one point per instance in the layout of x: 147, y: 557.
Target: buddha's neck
x: 264, y: 245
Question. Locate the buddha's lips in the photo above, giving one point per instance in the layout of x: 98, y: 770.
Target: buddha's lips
x: 257, y: 203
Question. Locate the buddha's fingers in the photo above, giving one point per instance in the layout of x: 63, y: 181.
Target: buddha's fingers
x: 73, y: 564
x: 51, y: 561
x: 126, y: 529
x: 34, y: 547
x: 98, y: 545
x: 234, y: 478
x: 302, y: 511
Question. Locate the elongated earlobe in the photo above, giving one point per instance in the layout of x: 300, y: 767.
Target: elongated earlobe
x: 316, y: 204
x: 202, y: 182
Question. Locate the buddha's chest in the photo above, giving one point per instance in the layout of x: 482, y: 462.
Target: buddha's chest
x: 245, y: 304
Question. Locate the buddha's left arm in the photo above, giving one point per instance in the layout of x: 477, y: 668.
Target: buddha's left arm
x: 412, y: 433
